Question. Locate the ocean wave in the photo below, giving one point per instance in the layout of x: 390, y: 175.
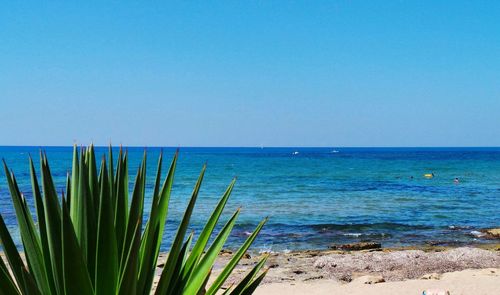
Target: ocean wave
x: 367, y: 235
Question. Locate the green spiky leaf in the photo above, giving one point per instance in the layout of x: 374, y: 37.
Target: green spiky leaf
x: 92, y: 242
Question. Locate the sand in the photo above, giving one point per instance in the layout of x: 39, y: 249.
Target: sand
x: 470, y: 282
x: 464, y: 270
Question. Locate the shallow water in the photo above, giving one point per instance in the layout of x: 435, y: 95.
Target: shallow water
x: 317, y: 196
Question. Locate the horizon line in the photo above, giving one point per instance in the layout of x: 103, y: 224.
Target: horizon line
x: 257, y: 146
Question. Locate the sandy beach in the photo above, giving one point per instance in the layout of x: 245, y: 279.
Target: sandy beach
x: 463, y: 270
x: 481, y: 281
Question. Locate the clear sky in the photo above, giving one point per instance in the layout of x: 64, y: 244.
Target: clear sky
x: 250, y: 73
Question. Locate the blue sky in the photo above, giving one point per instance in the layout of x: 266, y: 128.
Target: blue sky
x: 251, y: 73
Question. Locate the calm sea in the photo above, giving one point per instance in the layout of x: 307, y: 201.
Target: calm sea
x: 318, y: 196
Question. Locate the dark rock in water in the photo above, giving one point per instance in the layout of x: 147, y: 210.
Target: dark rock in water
x: 357, y: 246
x: 445, y: 243
x: 436, y: 243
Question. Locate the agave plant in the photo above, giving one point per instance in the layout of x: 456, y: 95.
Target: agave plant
x: 89, y: 240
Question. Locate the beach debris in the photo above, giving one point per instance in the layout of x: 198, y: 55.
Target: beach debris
x: 345, y: 278
x: 313, y: 278
x: 369, y: 279
x: 298, y: 272
x: 357, y: 246
x: 431, y: 276
x: 407, y: 264
x: 435, y: 292
x: 489, y: 272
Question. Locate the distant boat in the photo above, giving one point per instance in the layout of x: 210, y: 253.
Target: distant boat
x: 295, y: 153
x: 335, y: 151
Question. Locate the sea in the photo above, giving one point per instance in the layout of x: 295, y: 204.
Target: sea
x: 314, y: 197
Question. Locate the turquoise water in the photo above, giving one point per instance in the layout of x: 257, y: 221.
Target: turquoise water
x: 318, y: 196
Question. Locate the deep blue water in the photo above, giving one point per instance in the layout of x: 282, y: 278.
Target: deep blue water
x: 317, y: 196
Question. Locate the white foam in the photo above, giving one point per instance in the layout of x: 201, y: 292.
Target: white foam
x: 353, y: 234
x: 477, y: 233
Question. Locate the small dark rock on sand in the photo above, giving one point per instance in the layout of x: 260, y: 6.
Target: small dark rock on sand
x: 371, y: 279
x: 225, y: 252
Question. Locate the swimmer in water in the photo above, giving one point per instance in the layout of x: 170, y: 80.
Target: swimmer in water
x: 456, y: 181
